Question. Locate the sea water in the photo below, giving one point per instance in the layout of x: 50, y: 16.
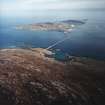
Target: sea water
x: 87, y: 40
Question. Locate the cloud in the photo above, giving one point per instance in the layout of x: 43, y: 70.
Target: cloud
x: 25, y: 6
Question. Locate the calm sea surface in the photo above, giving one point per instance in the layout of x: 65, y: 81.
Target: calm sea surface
x: 87, y: 40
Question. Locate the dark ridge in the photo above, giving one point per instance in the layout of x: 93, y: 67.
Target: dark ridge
x: 75, y: 21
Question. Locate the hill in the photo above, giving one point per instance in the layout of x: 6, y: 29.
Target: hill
x: 28, y: 77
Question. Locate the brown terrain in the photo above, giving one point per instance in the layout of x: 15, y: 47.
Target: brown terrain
x: 28, y: 77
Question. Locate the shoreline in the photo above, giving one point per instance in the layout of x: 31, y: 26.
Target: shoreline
x: 62, y: 26
x: 49, y: 52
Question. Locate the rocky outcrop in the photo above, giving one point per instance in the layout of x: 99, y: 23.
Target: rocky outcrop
x: 28, y: 77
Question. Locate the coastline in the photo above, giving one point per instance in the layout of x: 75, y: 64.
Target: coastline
x: 62, y: 26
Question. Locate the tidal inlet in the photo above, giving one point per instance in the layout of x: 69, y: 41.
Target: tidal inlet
x: 52, y: 52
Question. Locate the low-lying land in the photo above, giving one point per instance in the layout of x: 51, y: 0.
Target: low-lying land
x: 63, y: 26
x: 47, y: 27
x: 28, y: 77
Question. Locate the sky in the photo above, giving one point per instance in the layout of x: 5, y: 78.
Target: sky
x: 22, y: 7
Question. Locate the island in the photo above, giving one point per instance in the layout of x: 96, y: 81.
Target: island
x: 62, y: 26
x: 31, y: 77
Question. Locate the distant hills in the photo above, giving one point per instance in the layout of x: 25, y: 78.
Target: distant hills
x: 75, y: 21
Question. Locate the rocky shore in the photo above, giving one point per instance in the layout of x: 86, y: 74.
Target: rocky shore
x: 29, y: 77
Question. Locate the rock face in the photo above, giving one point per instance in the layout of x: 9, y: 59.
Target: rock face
x: 27, y: 77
